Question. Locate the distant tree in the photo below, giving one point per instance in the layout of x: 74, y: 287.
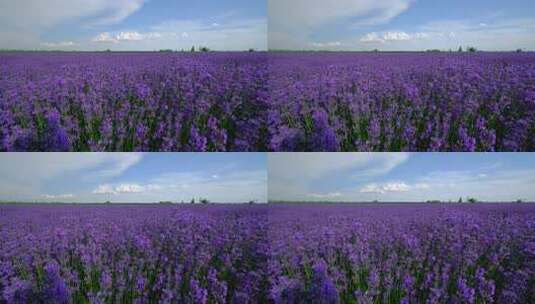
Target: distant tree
x: 251, y: 50
x: 192, y: 49
x: 192, y: 201
x: 519, y: 50
x: 472, y: 200
x: 519, y: 201
x: 460, y: 200
x: 460, y: 50
x: 375, y: 201
x: 166, y: 202
x: 108, y: 51
x: 433, y: 202
x: 204, y: 201
x: 471, y: 49
x: 376, y: 51
x: 108, y: 202
x: 251, y: 202
x: 204, y: 49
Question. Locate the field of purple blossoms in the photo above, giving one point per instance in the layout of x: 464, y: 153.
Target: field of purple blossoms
x: 133, y: 102
x: 403, y: 254
x: 268, y: 254
x: 402, y: 102
x: 260, y: 102
x: 132, y: 254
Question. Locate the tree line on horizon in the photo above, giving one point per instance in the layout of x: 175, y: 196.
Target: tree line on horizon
x: 193, y: 49
x: 468, y: 200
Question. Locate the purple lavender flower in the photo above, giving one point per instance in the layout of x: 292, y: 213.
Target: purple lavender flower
x: 404, y: 102
x: 133, y: 102
x: 55, y: 137
x: 198, y: 294
x: 54, y: 288
x: 466, y: 293
x: 276, y: 253
x: 323, y: 289
x: 323, y: 138
x: 18, y: 292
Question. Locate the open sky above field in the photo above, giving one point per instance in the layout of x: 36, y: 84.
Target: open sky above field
x: 132, y: 177
x: 132, y: 24
x: 401, y: 24
x: 401, y: 177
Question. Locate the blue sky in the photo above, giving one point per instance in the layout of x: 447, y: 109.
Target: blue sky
x: 401, y: 177
x: 133, y: 24
x: 401, y: 24
x: 132, y: 177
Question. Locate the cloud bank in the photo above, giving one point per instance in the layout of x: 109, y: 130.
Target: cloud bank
x: 103, y: 24
x: 291, y: 23
x: 292, y: 176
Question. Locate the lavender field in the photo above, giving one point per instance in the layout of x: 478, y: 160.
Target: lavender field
x: 402, y: 102
x: 133, y: 102
x: 482, y: 253
x: 132, y: 254
x: 403, y: 254
x: 261, y: 102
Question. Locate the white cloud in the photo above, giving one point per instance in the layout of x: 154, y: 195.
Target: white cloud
x: 28, y: 173
x: 244, y: 185
x: 292, y: 22
x: 116, y: 164
x: 355, y: 24
x: 23, y: 22
x: 104, y: 189
x: 95, y: 177
x: 343, y: 179
x: 372, y: 188
x: 391, y: 187
x: 31, y: 15
x: 326, y: 44
x: 230, y: 34
x: 297, y: 14
x: 107, y: 37
x: 129, y: 188
x: 129, y: 36
x: 126, y: 188
x: 330, y: 195
x: 502, y: 185
x: 500, y: 35
x: 62, y: 44
x: 58, y: 196
x: 41, y: 166
x: 372, y: 37
x: 292, y: 175
x: 396, y: 187
x: 309, y: 166
x: 395, y: 36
